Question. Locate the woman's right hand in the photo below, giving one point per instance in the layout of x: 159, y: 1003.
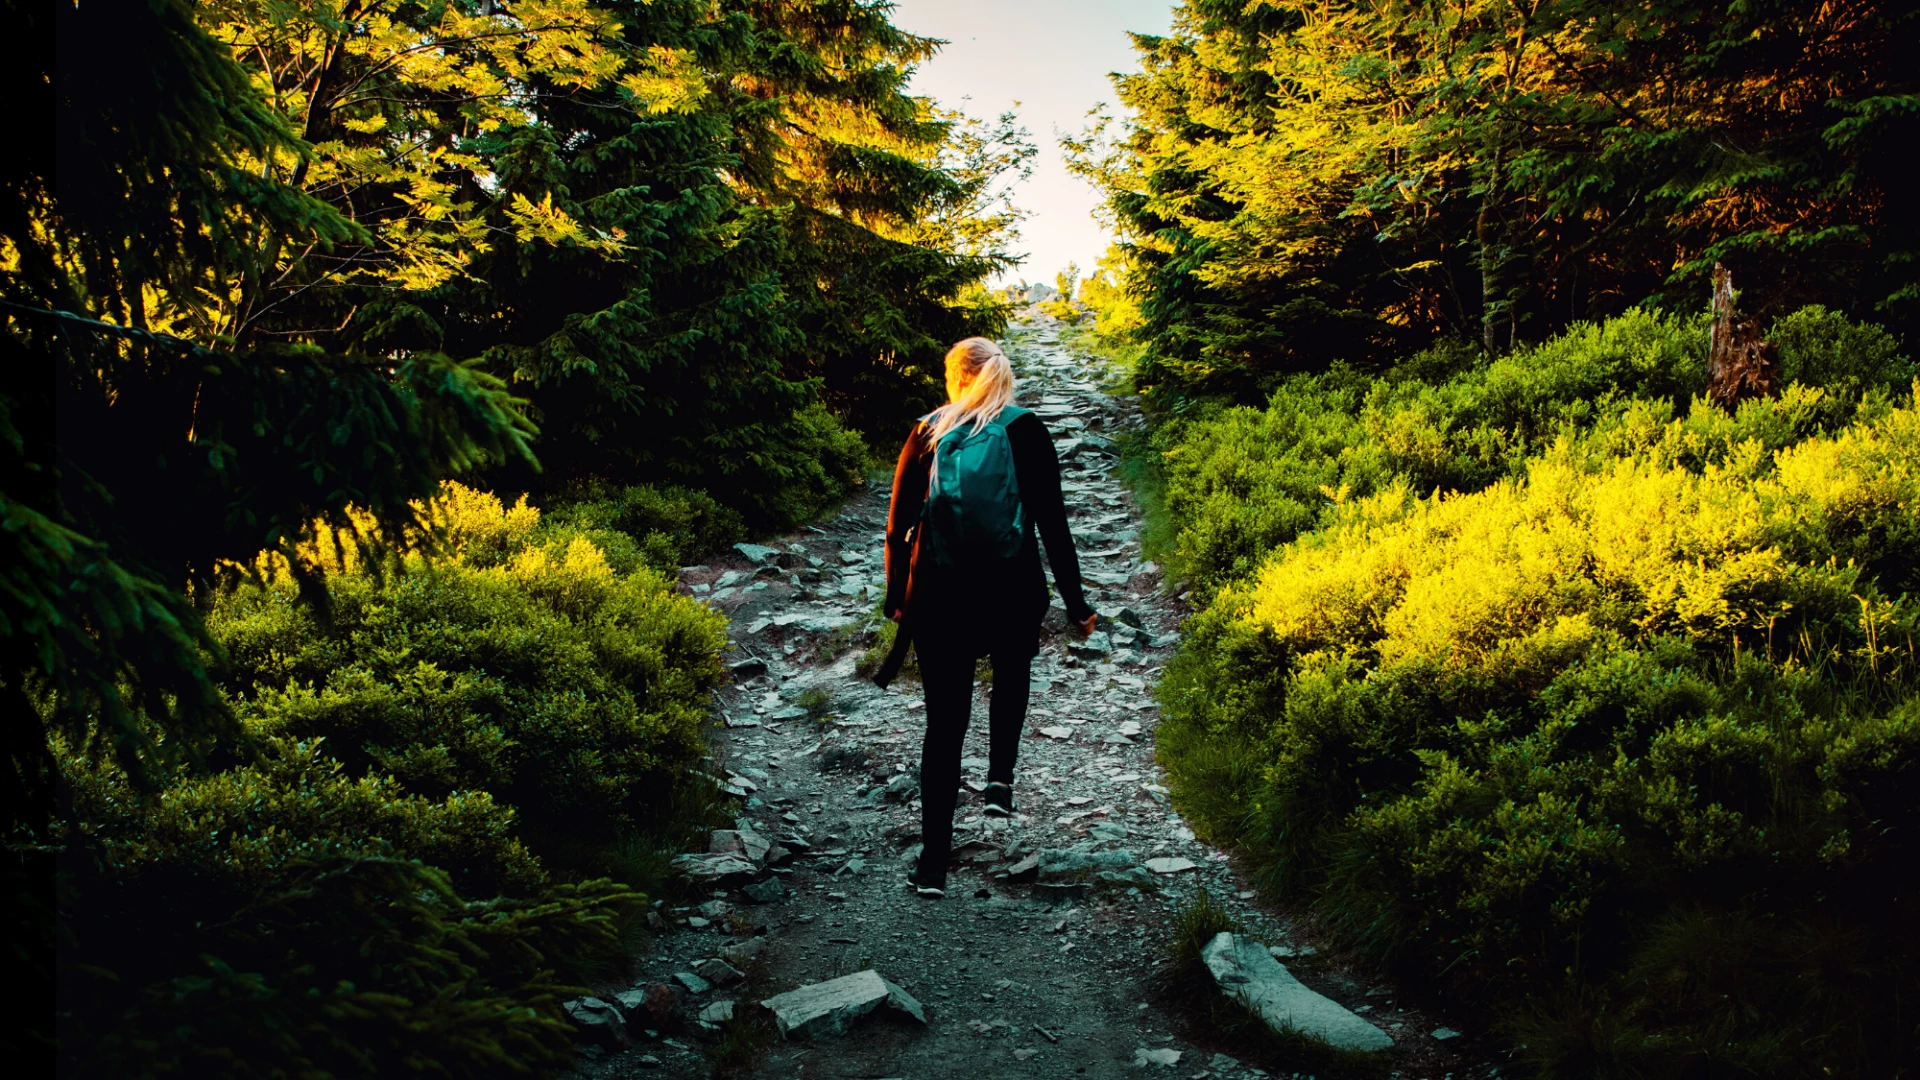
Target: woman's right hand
x: 1087, y: 626
x: 895, y: 616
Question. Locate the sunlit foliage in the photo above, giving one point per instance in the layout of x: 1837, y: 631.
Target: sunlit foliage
x: 1535, y: 686
x: 415, y: 762
x: 1301, y: 182
x: 673, y: 225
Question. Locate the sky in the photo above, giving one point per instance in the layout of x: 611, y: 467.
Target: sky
x: 1053, y: 57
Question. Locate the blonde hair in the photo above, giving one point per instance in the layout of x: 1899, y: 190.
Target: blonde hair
x: 979, y: 385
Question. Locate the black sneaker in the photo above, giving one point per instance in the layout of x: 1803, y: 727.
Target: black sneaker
x: 926, y: 884
x: 999, y: 799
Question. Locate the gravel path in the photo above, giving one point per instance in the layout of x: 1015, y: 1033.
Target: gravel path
x: 1021, y: 974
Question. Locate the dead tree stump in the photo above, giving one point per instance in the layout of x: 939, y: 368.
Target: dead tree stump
x: 1739, y: 364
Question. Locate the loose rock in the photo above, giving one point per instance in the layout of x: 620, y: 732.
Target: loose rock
x: 770, y: 891
x: 595, y: 1020
x: 743, y: 953
x: 657, y: 1007
x: 1097, y: 643
x: 1081, y: 863
x: 707, y: 869
x: 1246, y: 971
x: 718, y: 972
x: 1025, y: 867
x: 750, y: 846
x: 761, y: 555
x: 831, y: 1007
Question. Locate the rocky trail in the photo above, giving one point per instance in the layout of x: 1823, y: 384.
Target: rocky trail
x: 1047, y: 957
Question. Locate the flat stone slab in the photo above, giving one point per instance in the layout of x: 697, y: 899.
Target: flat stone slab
x: 759, y: 554
x: 714, y: 866
x: 1175, y: 864
x: 1247, y: 972
x: 831, y: 1007
x: 741, y: 954
x: 748, y: 845
x: 595, y: 1020
x: 770, y: 891
x: 1081, y: 862
x: 718, y: 972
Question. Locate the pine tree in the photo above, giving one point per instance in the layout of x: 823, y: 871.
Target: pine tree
x: 173, y: 458
x: 678, y: 227
x: 1303, y: 183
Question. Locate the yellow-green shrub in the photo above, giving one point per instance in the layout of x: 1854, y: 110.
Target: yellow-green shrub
x: 364, y: 893
x: 663, y: 527
x: 535, y: 672
x: 1652, y: 687
x: 1242, y: 481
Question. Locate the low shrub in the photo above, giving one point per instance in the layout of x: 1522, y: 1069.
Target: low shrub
x: 390, y: 879
x: 1241, y: 481
x: 662, y: 527
x: 537, y: 673
x: 284, y: 918
x: 1826, y: 349
x: 823, y: 462
x: 1616, y: 731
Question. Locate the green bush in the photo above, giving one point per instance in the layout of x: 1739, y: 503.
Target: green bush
x: 283, y: 918
x: 384, y: 882
x: 1243, y: 481
x: 825, y: 463
x: 296, y: 805
x: 663, y: 527
x: 1826, y: 349
x: 1622, y: 740
x: 539, y: 674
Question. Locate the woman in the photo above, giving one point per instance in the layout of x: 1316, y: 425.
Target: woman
x: 958, y: 599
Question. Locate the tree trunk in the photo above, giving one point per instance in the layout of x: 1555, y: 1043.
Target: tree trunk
x: 1739, y: 364
x: 1485, y: 229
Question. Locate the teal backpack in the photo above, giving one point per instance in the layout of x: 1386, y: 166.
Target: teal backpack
x: 973, y: 511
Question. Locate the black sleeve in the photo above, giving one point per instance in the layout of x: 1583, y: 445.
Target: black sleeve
x: 909, y: 492
x: 1038, y: 469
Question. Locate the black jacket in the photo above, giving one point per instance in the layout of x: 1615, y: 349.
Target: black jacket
x: 944, y: 612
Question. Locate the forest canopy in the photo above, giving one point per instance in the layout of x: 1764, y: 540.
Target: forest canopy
x: 1300, y: 182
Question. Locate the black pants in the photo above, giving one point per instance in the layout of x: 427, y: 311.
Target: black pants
x: 948, y: 682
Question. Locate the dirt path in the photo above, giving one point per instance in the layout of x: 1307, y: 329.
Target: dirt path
x: 1018, y: 977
